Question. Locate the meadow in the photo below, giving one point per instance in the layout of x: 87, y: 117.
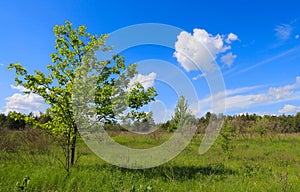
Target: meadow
x: 31, y: 161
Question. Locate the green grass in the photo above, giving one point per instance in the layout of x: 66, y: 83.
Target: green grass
x: 271, y: 165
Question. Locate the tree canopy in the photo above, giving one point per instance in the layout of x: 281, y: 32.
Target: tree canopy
x: 73, y: 47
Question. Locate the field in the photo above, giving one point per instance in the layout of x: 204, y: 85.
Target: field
x: 272, y: 164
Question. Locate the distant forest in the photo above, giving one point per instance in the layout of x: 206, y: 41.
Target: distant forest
x: 241, y: 124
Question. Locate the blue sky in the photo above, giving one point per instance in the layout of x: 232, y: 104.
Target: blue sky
x: 263, y: 78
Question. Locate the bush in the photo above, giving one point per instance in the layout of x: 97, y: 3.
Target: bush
x: 226, y: 137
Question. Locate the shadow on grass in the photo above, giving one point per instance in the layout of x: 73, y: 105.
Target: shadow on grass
x: 168, y: 172
x: 182, y: 172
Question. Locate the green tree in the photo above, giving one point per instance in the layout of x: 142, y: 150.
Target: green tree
x: 182, y: 115
x: 145, y: 125
x: 227, y: 135
x: 73, y: 47
x: 44, y: 117
x: 261, y: 127
x: 297, y: 119
x: 2, y: 120
x: 15, y: 121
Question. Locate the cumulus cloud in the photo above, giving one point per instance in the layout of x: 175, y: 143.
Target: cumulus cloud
x: 200, y: 49
x: 24, y: 103
x: 231, y: 37
x: 289, y: 109
x: 283, y: 32
x: 146, y: 80
x: 228, y: 59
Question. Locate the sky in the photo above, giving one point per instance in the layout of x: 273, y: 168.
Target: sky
x: 255, y: 45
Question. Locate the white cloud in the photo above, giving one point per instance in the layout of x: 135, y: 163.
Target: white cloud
x: 298, y: 80
x: 232, y: 98
x: 285, y: 91
x: 242, y: 98
x: 280, y: 92
x: 19, y: 88
x: 297, y: 36
x: 1, y: 64
x: 228, y: 59
x: 289, y: 109
x: 199, y: 76
x: 244, y: 101
x: 231, y: 37
x: 283, y: 32
x: 146, y: 80
x: 199, y: 50
x: 243, y: 90
x: 25, y: 103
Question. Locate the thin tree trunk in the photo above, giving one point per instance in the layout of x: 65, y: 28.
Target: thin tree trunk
x: 73, y: 146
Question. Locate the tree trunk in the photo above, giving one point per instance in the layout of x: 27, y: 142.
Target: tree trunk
x: 73, y: 146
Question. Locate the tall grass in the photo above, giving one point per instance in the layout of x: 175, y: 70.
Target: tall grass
x: 254, y: 166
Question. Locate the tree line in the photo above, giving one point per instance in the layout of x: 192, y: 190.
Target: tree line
x: 17, y: 121
x: 241, y: 124
x: 252, y: 123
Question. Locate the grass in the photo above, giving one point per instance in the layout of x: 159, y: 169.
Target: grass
x: 271, y: 165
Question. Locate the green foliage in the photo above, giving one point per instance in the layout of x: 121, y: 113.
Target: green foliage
x: 227, y: 135
x: 145, y: 125
x: 261, y: 127
x: 269, y: 166
x: 297, y: 120
x: 15, y: 121
x: 182, y: 115
x: 3, y: 119
x: 23, y: 186
x: 73, y: 47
